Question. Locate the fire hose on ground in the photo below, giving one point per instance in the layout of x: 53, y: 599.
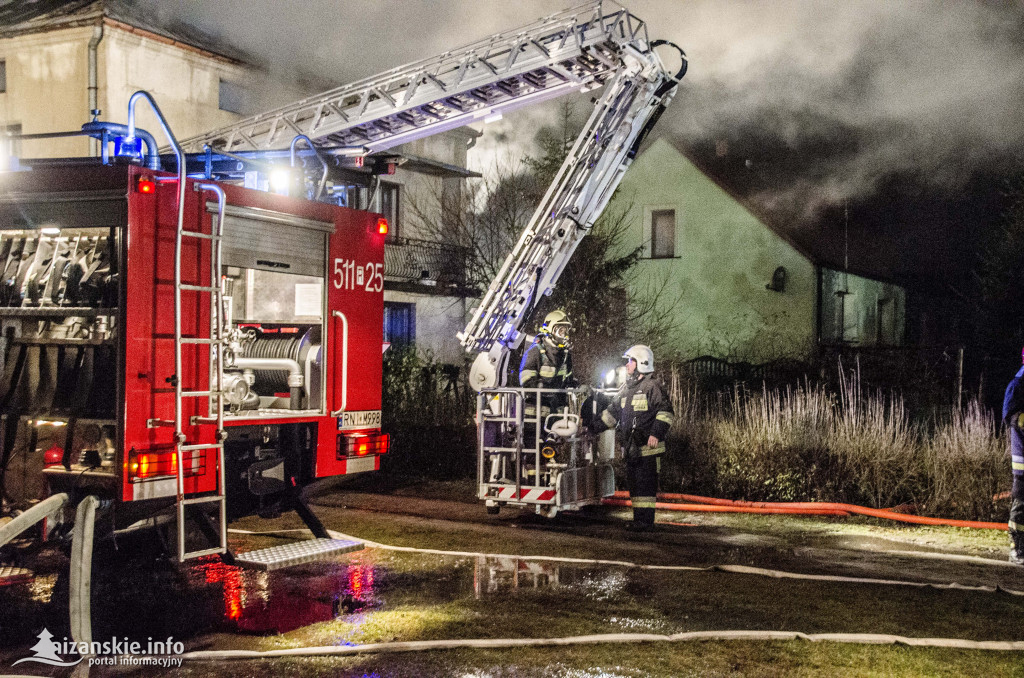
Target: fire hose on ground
x: 700, y: 504
x: 498, y: 643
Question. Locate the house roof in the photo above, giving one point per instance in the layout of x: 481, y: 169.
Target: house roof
x: 20, y: 17
x: 813, y: 249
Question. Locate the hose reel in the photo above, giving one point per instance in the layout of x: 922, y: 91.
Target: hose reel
x: 272, y: 364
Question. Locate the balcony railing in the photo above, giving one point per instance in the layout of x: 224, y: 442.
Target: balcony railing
x: 425, y: 262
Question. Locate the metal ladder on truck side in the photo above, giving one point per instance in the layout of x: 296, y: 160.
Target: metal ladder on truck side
x: 214, y: 395
x: 183, y: 448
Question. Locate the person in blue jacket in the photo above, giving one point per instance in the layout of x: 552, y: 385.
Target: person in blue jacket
x: 1013, y: 417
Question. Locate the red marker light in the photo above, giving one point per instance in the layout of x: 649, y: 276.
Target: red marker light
x: 53, y: 456
x: 382, y: 226
x: 146, y: 185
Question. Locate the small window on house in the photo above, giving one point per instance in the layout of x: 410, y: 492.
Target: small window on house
x: 9, y: 147
x: 389, y: 207
x: 663, y: 234
x: 231, y: 97
x: 399, y: 324
x: 3, y: 75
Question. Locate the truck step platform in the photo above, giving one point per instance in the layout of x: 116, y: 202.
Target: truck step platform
x: 276, y: 557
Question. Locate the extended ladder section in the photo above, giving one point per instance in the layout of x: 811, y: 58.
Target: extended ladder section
x: 630, y: 105
x: 577, y: 49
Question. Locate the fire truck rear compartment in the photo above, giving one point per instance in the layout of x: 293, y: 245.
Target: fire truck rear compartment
x: 66, y: 334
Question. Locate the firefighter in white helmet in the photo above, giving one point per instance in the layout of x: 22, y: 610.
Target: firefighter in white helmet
x: 642, y: 415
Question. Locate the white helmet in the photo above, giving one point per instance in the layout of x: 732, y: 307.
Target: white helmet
x: 644, y: 357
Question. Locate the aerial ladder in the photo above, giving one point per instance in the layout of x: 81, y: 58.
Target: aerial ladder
x: 577, y: 50
x: 580, y: 49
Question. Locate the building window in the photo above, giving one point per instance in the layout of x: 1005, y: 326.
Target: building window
x: 389, y: 207
x: 3, y: 75
x: 849, y: 316
x: 399, y: 324
x: 9, y: 148
x: 231, y: 97
x: 663, y: 234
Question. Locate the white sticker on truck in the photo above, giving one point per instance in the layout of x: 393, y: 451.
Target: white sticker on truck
x: 359, y: 419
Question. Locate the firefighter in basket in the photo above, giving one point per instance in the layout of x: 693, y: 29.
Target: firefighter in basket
x: 547, y: 363
x: 642, y: 414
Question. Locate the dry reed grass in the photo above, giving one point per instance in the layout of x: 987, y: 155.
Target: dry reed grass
x: 803, y: 442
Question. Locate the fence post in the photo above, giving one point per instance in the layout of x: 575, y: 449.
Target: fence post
x: 960, y: 379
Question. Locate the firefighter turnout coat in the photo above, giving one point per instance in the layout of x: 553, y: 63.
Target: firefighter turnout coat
x: 545, y: 365
x: 639, y: 410
x: 1013, y: 417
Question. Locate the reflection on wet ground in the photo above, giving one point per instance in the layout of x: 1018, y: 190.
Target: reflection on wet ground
x: 256, y: 602
x: 379, y: 595
x: 498, y: 575
x: 281, y: 601
x: 139, y: 598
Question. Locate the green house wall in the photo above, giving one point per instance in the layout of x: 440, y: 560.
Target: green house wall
x: 713, y: 292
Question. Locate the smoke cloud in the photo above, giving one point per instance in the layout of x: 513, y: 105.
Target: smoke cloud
x: 844, y: 94
x: 857, y: 91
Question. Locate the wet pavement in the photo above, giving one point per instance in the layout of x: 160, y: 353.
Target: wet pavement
x: 378, y: 595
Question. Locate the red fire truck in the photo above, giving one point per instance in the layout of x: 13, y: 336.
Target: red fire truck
x: 173, y: 340
x: 170, y: 340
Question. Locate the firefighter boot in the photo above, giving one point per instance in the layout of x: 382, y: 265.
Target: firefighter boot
x: 1016, y: 547
x: 643, y: 519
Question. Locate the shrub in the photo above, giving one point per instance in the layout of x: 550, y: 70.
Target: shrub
x: 428, y: 410
x: 966, y: 460
x: 805, y: 443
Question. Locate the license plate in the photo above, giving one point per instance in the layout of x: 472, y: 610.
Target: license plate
x: 359, y: 419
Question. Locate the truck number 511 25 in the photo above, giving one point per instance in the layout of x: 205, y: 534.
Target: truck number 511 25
x: 348, y: 275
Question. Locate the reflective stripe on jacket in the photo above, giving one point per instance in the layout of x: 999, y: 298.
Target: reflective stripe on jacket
x: 545, y: 366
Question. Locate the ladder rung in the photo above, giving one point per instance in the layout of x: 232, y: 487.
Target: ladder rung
x: 199, y: 554
x: 205, y: 446
x: 199, y: 288
x: 197, y: 394
x: 196, y: 340
x: 197, y: 234
x: 202, y: 500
